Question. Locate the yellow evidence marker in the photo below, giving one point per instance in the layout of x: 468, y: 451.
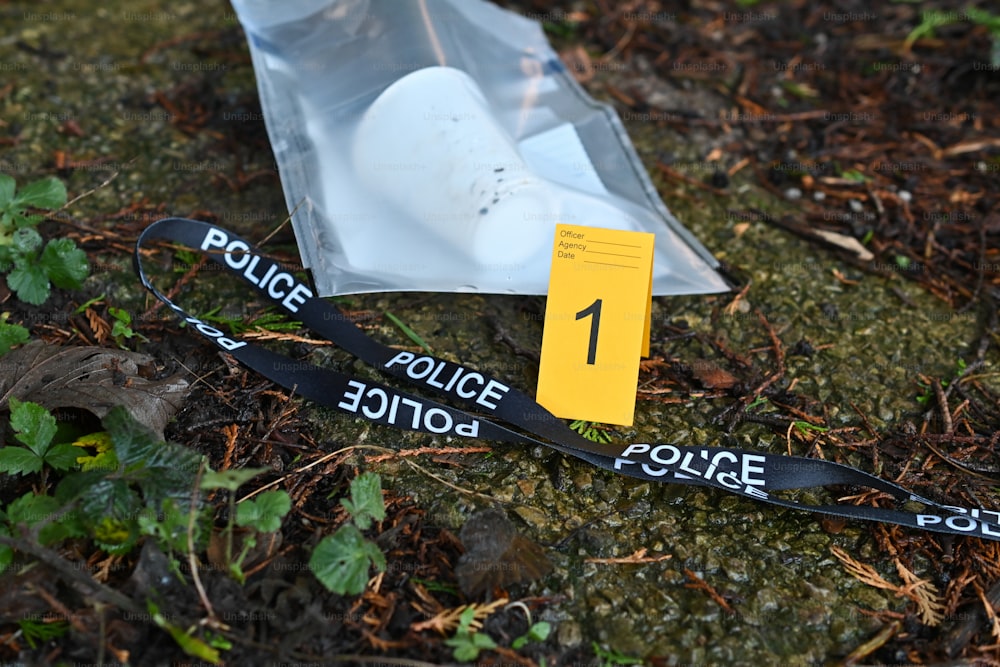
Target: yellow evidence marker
x: 597, y: 321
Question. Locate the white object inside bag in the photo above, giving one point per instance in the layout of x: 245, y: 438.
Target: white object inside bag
x: 465, y: 180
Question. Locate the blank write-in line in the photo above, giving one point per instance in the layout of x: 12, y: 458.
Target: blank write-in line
x: 625, y: 245
x: 624, y: 266
x: 613, y: 254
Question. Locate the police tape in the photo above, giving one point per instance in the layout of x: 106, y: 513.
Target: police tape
x: 755, y: 475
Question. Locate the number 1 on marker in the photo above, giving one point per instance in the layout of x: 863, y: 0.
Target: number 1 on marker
x: 595, y: 324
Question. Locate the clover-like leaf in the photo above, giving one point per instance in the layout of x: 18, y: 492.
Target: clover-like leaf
x: 265, y: 512
x: 64, y: 263
x: 341, y: 561
x: 34, y: 425
x: 29, y: 282
x: 366, y: 502
x: 47, y: 193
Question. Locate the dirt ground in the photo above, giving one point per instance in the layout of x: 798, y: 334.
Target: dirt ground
x: 862, y: 137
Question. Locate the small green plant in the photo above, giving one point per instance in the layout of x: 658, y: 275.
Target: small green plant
x: 35, y: 429
x: 37, y: 632
x: 854, y: 176
x: 122, y: 327
x: 593, y: 431
x: 466, y: 642
x: 931, y: 19
x: 10, y: 334
x: 924, y: 398
x: 263, y: 514
x: 341, y: 561
x: 538, y: 632
x: 33, y: 266
x: 612, y: 658
x: 193, y: 646
x: 103, y: 495
x: 268, y: 320
x: 804, y: 427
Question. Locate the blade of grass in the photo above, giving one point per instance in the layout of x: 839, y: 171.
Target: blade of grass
x: 410, y: 333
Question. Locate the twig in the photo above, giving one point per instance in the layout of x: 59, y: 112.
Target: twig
x: 440, y: 451
x: 283, y: 223
x: 703, y: 585
x: 91, y: 191
x: 943, y: 404
x: 192, y: 558
x: 386, y: 450
x: 873, y: 644
x: 779, y: 354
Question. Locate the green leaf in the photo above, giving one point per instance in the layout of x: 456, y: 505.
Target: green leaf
x: 170, y: 527
x: 468, y: 644
x: 189, y: 644
x: 134, y: 443
x: 366, y: 501
x: 30, y: 508
x: 47, y: 193
x: 7, y: 187
x: 76, y: 484
x: 231, y: 479
x: 6, y: 553
x: 33, y: 423
x: 26, y: 241
x: 104, y: 460
x: 61, y: 457
x: 538, y: 632
x: 341, y: 561
x: 65, y: 264
x: 30, y: 283
x: 19, y: 461
x: 168, y: 472
x: 11, y: 335
x: 265, y: 512
x: 22, y: 221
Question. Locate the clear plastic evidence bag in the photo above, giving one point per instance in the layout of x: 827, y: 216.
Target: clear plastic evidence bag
x: 433, y: 145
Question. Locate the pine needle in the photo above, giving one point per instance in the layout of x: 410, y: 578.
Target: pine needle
x: 447, y: 621
x: 921, y: 591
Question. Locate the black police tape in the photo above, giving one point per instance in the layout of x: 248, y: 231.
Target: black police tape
x: 751, y: 474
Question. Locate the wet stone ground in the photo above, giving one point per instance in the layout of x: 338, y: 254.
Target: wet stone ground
x: 163, y: 94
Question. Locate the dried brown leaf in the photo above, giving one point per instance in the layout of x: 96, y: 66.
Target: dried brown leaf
x: 95, y: 379
x: 497, y: 555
